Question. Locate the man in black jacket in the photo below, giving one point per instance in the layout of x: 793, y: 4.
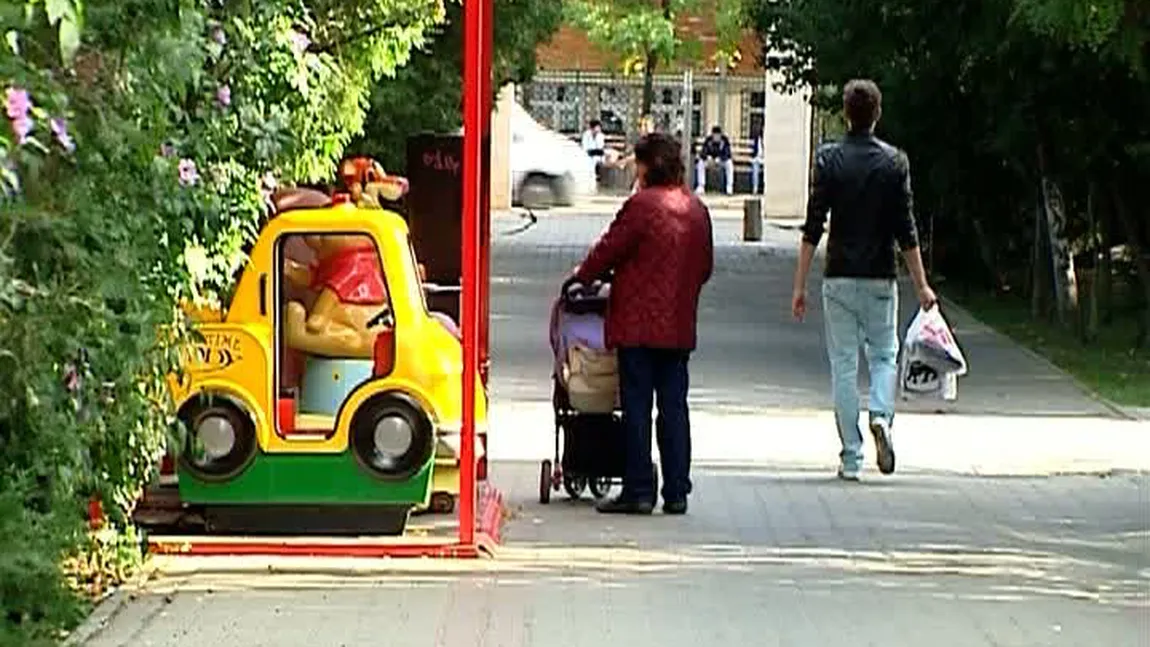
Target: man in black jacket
x: 864, y: 183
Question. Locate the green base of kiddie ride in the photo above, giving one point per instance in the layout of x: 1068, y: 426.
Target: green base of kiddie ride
x: 307, y: 494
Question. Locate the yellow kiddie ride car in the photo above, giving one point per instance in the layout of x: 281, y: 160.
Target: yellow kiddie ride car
x: 327, y: 397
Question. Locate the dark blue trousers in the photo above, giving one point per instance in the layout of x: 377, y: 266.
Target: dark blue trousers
x: 648, y: 376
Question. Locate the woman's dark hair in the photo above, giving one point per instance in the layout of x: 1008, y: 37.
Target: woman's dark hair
x: 662, y: 157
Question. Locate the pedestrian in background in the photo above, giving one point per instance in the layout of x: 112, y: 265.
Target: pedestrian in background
x: 757, y: 159
x: 660, y: 249
x: 864, y: 184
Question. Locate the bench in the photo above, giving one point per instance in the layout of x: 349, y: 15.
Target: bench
x: 741, y: 148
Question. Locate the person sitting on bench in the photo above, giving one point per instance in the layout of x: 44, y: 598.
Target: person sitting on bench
x: 716, y: 149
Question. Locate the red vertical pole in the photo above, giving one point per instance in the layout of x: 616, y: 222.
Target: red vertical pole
x: 487, y: 82
x: 473, y: 102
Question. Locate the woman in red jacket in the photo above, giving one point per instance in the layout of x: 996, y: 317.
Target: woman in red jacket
x: 660, y: 249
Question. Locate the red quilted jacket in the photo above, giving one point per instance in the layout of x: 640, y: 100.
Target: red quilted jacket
x: 661, y: 251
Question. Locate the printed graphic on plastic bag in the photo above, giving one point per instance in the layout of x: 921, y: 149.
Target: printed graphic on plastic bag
x: 931, y: 361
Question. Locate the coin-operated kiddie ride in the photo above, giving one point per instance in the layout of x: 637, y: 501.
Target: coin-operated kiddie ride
x: 317, y: 402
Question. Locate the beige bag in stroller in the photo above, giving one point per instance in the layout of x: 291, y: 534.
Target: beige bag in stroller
x: 592, y: 379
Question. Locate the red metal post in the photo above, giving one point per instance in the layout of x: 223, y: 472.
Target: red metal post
x: 475, y: 25
x: 485, y: 191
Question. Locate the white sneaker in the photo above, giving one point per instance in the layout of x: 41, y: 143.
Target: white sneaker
x: 848, y: 475
x: 884, y: 446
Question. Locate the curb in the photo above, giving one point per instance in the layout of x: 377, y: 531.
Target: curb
x: 105, y: 612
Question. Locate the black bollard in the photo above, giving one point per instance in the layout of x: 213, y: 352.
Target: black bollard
x: 752, y: 219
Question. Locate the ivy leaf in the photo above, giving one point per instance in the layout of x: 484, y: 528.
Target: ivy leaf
x: 58, y: 9
x: 69, y: 39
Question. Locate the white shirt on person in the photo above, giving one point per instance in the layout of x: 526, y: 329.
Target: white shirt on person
x: 594, y: 143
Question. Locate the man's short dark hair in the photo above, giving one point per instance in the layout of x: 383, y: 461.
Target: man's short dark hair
x: 662, y: 157
x: 594, y: 123
x: 717, y: 130
x: 862, y: 102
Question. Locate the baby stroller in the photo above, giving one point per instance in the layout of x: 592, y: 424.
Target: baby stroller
x: 589, y: 438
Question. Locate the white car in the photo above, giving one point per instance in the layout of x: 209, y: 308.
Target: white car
x: 547, y: 169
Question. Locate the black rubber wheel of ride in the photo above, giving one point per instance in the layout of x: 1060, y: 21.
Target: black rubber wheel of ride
x: 363, y: 445
x: 601, y: 487
x: 575, y: 485
x: 545, y: 482
x: 244, y: 445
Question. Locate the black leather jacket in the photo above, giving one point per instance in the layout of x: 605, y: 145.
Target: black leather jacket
x: 864, y: 183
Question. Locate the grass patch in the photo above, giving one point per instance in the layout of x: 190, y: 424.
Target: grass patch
x: 1107, y: 365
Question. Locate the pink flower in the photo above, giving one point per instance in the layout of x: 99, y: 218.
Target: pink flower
x: 224, y: 96
x: 18, y: 103
x: 60, y: 130
x: 189, y: 175
x: 299, y: 42
x: 21, y: 126
x: 219, y: 36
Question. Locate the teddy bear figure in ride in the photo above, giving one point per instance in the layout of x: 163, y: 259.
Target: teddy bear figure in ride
x: 348, y: 280
x: 368, y: 184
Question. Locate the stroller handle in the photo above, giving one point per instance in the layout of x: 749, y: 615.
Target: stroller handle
x: 574, y: 280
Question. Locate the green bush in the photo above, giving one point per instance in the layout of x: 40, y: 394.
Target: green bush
x: 155, y: 137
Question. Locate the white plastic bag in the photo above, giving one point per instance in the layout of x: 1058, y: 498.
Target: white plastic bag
x: 932, y: 361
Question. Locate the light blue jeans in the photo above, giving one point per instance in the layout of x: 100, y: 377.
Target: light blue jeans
x: 861, y: 313
x: 756, y: 175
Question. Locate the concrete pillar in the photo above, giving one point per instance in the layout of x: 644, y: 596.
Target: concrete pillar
x: 787, y: 144
x: 501, y: 149
x: 752, y: 220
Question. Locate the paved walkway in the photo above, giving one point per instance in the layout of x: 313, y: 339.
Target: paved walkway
x: 760, y: 381
x: 764, y: 558
x: 774, y: 551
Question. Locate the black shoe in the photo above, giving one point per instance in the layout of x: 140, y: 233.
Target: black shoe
x: 619, y: 505
x: 880, y: 429
x: 675, y: 507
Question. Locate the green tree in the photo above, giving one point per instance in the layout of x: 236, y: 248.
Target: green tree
x: 1020, y: 174
x: 426, y: 95
x: 645, y: 34
x: 140, y: 141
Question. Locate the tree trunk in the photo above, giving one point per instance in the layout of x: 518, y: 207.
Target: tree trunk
x: 1039, y: 267
x: 1093, y: 321
x: 1105, y: 279
x: 986, y: 253
x: 1141, y: 262
x: 1065, y: 285
x: 649, y: 82
x: 649, y: 69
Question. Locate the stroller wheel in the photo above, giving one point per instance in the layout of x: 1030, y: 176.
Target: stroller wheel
x: 574, y: 485
x: 545, y: 482
x: 601, y: 487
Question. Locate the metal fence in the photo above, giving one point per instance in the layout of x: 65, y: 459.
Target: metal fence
x: 566, y: 101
